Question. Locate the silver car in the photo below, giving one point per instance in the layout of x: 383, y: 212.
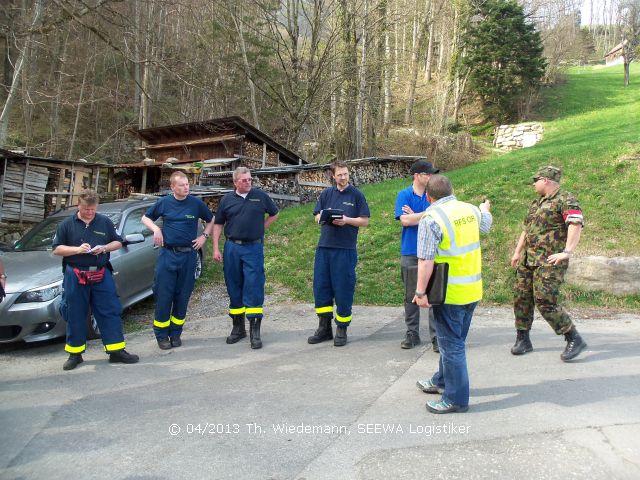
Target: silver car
x: 34, y: 275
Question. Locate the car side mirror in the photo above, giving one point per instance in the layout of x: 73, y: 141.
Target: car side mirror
x: 133, y: 238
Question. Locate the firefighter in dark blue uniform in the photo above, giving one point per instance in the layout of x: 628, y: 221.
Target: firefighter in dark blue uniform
x: 176, y: 265
x: 242, y: 213
x: 334, y: 271
x: 85, y: 240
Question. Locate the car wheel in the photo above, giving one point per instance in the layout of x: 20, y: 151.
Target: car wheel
x: 198, y: 265
x: 93, y: 331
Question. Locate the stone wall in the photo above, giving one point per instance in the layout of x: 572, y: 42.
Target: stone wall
x: 523, y: 135
x: 616, y: 275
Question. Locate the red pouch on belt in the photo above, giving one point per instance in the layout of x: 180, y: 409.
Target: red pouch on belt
x: 89, y: 277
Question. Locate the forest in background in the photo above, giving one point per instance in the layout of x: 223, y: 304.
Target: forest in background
x: 349, y: 78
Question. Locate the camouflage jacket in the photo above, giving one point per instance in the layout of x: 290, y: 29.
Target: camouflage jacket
x: 546, y: 226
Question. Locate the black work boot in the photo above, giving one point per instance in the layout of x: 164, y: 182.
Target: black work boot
x: 575, y: 345
x: 434, y: 344
x: 238, y: 332
x: 122, y: 356
x: 411, y: 340
x: 175, y: 341
x: 341, y: 336
x: 324, y: 331
x: 254, y: 332
x: 164, y: 343
x: 73, y: 361
x: 523, y: 344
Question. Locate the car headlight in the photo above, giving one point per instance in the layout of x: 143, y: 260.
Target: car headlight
x: 42, y: 294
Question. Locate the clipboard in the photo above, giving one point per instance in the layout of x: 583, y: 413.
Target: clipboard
x: 328, y: 215
x: 437, y: 286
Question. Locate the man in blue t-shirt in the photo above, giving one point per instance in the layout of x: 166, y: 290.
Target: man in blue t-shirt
x: 245, y: 214
x: 176, y: 265
x: 84, y: 240
x: 334, y: 270
x: 410, y: 205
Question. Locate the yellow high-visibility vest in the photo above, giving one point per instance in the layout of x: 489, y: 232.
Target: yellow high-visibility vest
x: 460, y: 248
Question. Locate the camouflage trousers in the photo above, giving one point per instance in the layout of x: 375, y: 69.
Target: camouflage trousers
x: 540, y: 286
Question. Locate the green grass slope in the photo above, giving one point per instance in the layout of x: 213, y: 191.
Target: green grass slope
x: 592, y: 131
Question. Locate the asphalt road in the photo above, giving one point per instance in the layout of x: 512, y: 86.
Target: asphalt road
x: 299, y: 411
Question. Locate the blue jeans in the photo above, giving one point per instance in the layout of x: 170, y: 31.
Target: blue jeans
x: 452, y: 326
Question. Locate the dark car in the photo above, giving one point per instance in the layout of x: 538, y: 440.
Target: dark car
x: 34, y: 275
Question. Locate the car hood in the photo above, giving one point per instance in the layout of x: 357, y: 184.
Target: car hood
x: 28, y: 270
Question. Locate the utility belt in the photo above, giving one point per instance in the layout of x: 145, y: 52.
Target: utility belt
x: 245, y: 242
x: 89, y: 275
x: 179, y: 249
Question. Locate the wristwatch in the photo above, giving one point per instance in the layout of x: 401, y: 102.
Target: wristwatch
x: 205, y: 234
x: 3, y: 276
x: 420, y: 294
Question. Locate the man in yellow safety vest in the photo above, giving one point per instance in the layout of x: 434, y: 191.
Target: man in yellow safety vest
x: 449, y: 232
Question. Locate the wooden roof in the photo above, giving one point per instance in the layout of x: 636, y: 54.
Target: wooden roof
x: 210, y: 131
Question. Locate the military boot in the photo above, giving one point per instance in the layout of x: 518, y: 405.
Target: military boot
x: 575, y: 345
x: 341, y: 336
x: 238, y: 332
x: 254, y: 332
x: 523, y: 344
x: 73, y: 361
x: 324, y: 331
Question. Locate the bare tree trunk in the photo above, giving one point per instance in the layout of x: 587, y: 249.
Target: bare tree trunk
x: 386, y: 122
x: 245, y: 62
x: 413, y: 75
x: 80, y: 102
x: 429, y: 61
x: 55, y: 103
x: 17, y: 72
x: 363, y: 83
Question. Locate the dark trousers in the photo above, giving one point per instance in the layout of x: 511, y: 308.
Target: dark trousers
x: 103, y: 300
x: 244, y: 276
x: 172, y: 288
x: 412, y: 312
x: 452, y: 327
x: 334, y: 278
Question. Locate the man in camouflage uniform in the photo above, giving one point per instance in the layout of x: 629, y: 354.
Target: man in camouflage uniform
x: 551, y: 233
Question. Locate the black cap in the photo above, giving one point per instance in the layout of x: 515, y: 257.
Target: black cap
x: 422, y: 166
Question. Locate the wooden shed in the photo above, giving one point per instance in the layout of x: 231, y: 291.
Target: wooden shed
x: 32, y: 187
x: 220, y: 143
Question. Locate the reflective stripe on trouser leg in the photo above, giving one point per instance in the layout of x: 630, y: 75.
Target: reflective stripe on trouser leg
x: 322, y: 288
x: 233, y: 278
x: 325, y: 311
x: 164, y: 285
x: 254, y: 279
x: 175, y: 328
x: 74, y: 308
x: 185, y: 281
x: 107, y: 311
x: 343, y: 279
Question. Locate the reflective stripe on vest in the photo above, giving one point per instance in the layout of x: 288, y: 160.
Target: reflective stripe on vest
x: 460, y: 248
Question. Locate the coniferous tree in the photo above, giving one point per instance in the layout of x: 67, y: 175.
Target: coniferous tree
x: 505, y: 56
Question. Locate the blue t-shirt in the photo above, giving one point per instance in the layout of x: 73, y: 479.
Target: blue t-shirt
x: 352, y: 201
x: 73, y: 232
x: 409, y: 238
x: 179, y: 218
x: 243, y: 218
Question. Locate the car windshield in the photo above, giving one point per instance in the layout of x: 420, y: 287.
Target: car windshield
x: 40, y: 237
